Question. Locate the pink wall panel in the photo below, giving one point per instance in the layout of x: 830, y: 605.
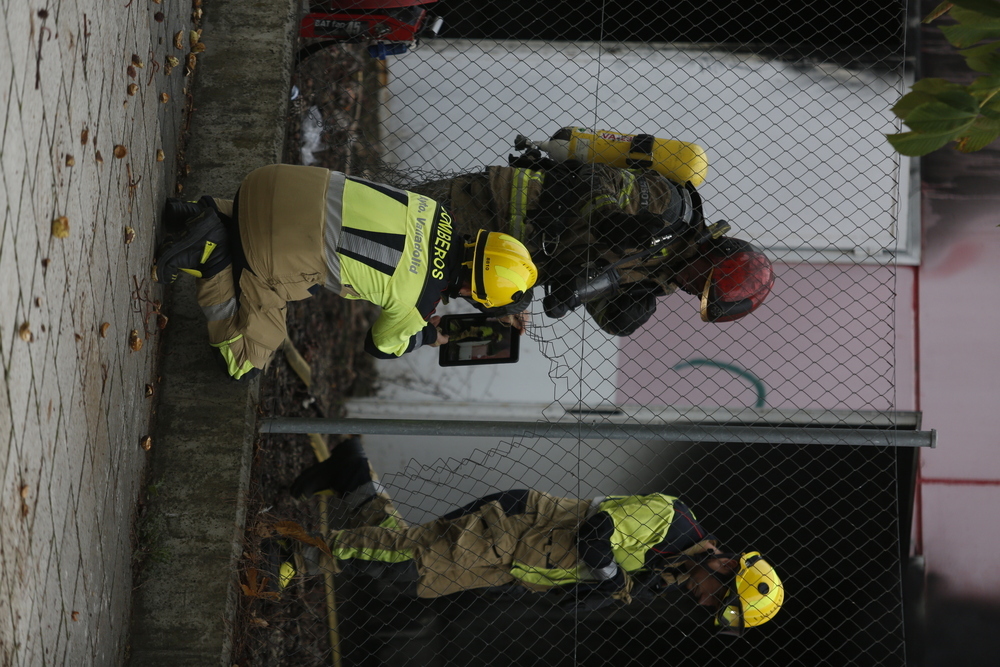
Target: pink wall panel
x: 829, y: 336
x: 960, y: 338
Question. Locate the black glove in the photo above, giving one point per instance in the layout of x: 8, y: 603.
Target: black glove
x: 344, y: 471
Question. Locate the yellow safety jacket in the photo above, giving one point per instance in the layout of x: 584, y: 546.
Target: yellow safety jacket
x: 393, y: 248
x: 640, y: 523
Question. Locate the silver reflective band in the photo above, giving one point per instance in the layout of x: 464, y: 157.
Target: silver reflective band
x: 687, y: 206
x: 362, y: 494
x: 606, y: 572
x: 369, y: 249
x: 331, y: 230
x: 222, y: 311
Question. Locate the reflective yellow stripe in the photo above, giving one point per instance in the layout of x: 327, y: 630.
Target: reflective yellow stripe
x: 519, y: 198
x: 391, y: 522
x: 374, y: 553
x: 600, y: 201
x: 541, y: 576
x: 232, y: 367
x: 512, y: 276
x: 625, y: 196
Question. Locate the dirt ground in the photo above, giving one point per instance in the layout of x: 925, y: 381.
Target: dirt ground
x: 328, y: 331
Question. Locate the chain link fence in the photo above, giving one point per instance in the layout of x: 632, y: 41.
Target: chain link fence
x: 757, y: 122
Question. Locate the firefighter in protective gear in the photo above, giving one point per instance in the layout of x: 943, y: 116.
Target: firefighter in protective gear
x: 291, y: 230
x: 611, y: 239
x: 591, y: 552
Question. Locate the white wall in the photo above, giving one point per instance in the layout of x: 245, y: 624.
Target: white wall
x: 798, y: 162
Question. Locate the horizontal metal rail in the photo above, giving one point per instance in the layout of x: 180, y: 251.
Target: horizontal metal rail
x: 718, y: 433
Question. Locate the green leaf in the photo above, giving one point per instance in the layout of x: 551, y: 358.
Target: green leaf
x: 991, y: 122
x: 991, y: 107
x: 985, y: 7
x: 934, y: 86
x: 984, y: 86
x: 927, y: 90
x: 938, y: 11
x: 915, y: 144
x: 936, y: 118
x: 963, y: 35
x: 983, y: 58
x: 963, y: 15
x: 909, y: 102
x: 960, y: 100
x: 978, y: 138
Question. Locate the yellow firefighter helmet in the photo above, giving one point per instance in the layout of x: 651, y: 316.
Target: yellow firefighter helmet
x: 757, y: 597
x: 502, y: 270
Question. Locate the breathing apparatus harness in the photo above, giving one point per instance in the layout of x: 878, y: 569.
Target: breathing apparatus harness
x: 562, y: 192
x: 593, y: 282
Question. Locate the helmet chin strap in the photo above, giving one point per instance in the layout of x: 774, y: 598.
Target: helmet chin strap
x: 464, y: 273
x: 454, y: 287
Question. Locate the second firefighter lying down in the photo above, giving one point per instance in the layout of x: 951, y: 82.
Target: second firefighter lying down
x: 598, y: 551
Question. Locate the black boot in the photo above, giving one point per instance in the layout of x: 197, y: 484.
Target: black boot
x: 202, y: 251
x: 177, y: 213
x: 345, y: 470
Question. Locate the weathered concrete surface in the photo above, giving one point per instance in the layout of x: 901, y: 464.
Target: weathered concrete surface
x: 73, y: 405
x: 206, y: 423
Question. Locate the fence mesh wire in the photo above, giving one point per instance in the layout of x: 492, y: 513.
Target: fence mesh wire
x: 790, y: 102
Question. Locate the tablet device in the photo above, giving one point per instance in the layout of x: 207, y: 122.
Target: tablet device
x: 477, y: 339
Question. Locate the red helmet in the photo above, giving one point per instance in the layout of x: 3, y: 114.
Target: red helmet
x: 740, y: 279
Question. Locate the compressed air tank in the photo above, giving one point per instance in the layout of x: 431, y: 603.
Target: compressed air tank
x: 680, y: 161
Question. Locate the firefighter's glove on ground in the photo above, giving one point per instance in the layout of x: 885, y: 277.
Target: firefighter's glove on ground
x: 344, y: 471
